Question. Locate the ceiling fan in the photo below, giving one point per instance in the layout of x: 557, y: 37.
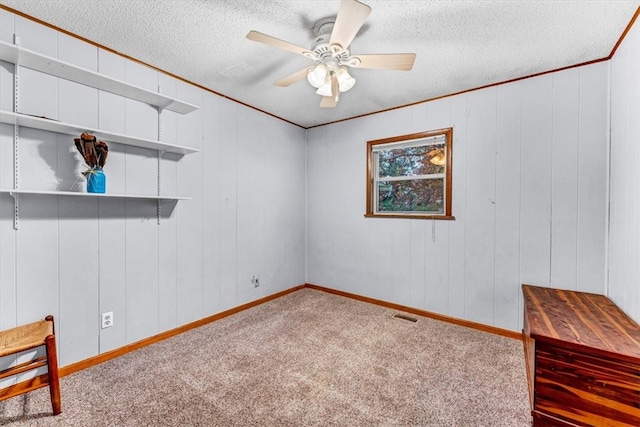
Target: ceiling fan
x: 330, y: 52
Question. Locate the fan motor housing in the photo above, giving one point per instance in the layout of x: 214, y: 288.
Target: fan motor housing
x: 321, y: 44
x: 322, y: 48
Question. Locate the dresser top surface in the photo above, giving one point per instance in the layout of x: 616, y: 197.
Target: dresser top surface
x: 580, y: 318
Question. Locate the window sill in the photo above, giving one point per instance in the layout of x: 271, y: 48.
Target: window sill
x: 411, y: 216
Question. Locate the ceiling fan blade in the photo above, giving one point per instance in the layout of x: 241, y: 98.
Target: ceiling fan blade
x: 390, y: 61
x: 272, y: 41
x: 299, y: 75
x: 328, y: 102
x: 351, y: 16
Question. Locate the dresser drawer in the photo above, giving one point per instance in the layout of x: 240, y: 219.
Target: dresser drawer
x: 584, y: 387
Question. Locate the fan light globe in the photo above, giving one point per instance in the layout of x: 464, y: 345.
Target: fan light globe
x: 317, y: 76
x: 325, y: 89
x: 345, y: 81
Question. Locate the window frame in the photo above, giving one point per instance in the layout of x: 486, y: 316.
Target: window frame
x: 371, y: 198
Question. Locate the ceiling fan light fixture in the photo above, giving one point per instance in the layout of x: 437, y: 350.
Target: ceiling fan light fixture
x: 317, y: 76
x: 345, y: 81
x: 331, y: 52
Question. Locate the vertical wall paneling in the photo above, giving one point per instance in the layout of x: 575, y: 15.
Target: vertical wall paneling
x: 37, y: 269
x: 228, y: 204
x: 6, y: 27
x: 6, y: 68
x: 95, y: 255
x: 518, y: 167
x: 36, y: 37
x: 593, y: 176
x: 419, y: 270
x: 35, y: 86
x: 529, y: 197
x: 346, y: 209
x: 632, y: 291
x: 112, y: 252
x: 111, y: 212
x: 457, y: 229
x: 316, y: 253
x: 507, y: 310
x: 141, y: 269
x: 480, y: 206
x: 77, y: 103
x: 392, y: 249
x: 78, y: 224
x: 191, y: 181
x: 38, y: 160
x: 252, y: 209
x: 78, y: 279
x: 141, y: 247
x: 400, y: 263
x: 381, y: 260
x: 211, y: 205
x: 37, y: 289
x: 420, y: 267
x: 535, y: 214
x: 289, y: 216
x: 37, y: 240
x: 167, y: 230
x: 624, y: 228
x: 564, y: 176
x: 7, y: 233
x: 435, y: 234
x: 263, y: 251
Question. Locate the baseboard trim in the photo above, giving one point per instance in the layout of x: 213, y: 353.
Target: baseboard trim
x: 100, y: 358
x: 469, y: 324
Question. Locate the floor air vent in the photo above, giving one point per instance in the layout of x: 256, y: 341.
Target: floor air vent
x: 405, y: 317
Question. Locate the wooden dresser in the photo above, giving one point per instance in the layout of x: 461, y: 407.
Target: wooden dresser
x: 583, y: 359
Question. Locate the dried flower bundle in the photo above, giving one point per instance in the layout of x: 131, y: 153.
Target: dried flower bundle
x: 93, y: 151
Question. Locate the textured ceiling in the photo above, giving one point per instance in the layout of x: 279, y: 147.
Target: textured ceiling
x: 460, y: 45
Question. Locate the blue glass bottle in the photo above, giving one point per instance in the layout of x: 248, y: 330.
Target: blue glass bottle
x: 96, y: 181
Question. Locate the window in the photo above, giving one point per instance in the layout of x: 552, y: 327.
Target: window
x: 410, y: 176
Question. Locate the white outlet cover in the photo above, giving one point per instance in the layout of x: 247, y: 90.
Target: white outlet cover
x: 107, y: 319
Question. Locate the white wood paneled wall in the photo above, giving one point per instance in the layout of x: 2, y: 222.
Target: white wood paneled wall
x: 529, y: 197
x: 76, y: 258
x: 624, y: 237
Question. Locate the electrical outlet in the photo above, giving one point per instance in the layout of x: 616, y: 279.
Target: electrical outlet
x: 255, y: 281
x: 107, y: 319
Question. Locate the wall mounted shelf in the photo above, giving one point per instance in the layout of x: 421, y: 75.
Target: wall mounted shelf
x: 25, y: 58
x: 36, y: 61
x: 95, y: 195
x: 74, y: 129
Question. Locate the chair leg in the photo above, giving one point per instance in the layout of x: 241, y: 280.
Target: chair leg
x: 54, y: 381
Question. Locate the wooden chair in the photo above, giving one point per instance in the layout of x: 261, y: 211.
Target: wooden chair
x: 27, y: 337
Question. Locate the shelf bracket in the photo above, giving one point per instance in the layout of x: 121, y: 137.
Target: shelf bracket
x: 16, y: 209
x: 160, y: 154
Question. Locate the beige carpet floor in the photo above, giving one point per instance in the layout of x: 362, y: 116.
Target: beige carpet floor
x: 309, y: 358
